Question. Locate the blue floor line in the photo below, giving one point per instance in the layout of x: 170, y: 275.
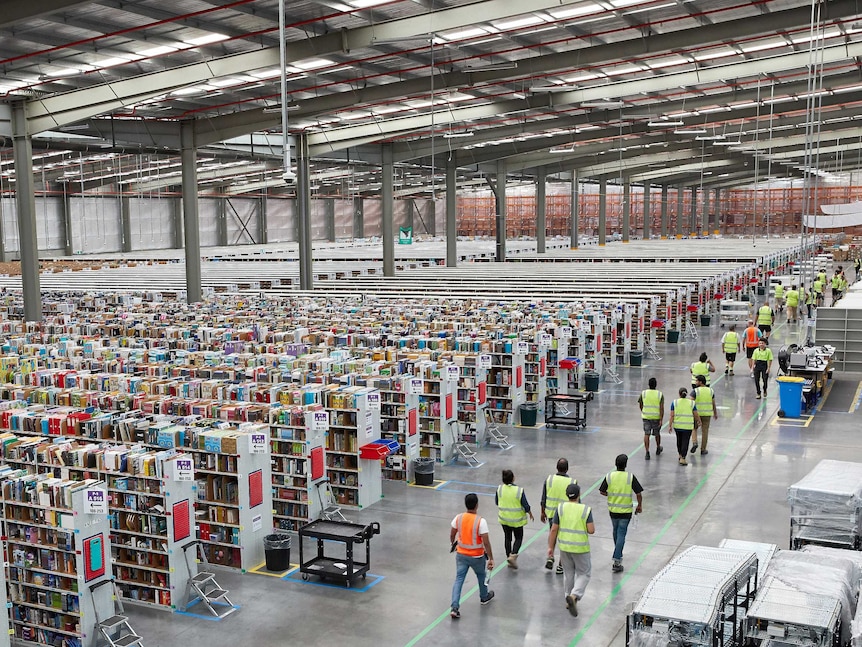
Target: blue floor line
x: 371, y: 580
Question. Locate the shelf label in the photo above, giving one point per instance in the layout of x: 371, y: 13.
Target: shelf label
x: 544, y: 340
x: 374, y: 401
x: 320, y: 421
x: 565, y: 332
x: 522, y: 348
x: 257, y: 443
x: 453, y: 373
x: 415, y: 387
x: 484, y: 361
x: 95, y: 501
x: 185, y: 470
x: 256, y: 522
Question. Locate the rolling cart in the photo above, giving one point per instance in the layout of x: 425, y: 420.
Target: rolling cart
x: 567, y: 410
x: 341, y: 569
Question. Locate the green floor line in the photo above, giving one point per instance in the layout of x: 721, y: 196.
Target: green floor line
x: 616, y: 590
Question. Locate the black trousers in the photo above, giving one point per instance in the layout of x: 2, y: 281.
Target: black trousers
x: 760, y: 375
x: 683, y: 438
x: 509, y: 533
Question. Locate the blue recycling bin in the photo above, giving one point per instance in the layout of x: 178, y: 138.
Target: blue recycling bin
x: 790, y: 396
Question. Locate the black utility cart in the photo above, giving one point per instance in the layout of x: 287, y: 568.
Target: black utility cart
x: 340, y: 569
x: 568, y: 410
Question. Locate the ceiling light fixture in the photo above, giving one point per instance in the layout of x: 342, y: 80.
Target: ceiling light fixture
x: 602, y: 104
x: 277, y: 109
x: 689, y: 131
x: 661, y: 124
x: 553, y: 88
x: 466, y: 133
x: 491, y: 67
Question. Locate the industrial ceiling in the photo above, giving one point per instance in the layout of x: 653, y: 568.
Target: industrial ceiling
x: 712, y: 93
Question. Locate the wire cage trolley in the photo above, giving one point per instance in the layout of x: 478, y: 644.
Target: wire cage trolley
x: 569, y: 410
x: 698, y: 599
x: 734, y: 312
x: 826, y: 506
x: 339, y: 568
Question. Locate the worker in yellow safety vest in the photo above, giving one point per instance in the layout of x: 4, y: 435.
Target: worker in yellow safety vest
x: 765, y: 317
x: 512, y: 512
x: 651, y: 403
x: 619, y: 486
x: 817, y: 287
x: 553, y: 494
x: 779, y: 296
x: 731, y: 344
x: 572, y: 525
x: 703, y: 366
x: 683, y: 420
x: 791, y: 298
x: 704, y: 400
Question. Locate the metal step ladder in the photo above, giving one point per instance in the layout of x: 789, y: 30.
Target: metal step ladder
x: 651, y: 352
x: 495, y: 435
x: 329, y: 509
x: 202, y: 588
x: 116, y: 630
x: 690, y: 330
x: 462, y: 448
x: 611, y: 374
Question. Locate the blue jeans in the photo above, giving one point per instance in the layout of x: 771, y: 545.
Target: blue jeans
x: 462, y: 564
x: 621, y: 527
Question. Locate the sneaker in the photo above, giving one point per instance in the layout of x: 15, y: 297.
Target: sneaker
x: 617, y: 567
x: 704, y: 451
x: 559, y: 570
x: 757, y: 397
x: 488, y: 599
x: 454, y: 614
x: 682, y: 461
x: 752, y: 373
x: 726, y: 370
x: 572, y: 605
x: 659, y: 450
x: 549, y: 563
x: 512, y: 560
x: 694, y: 448
x: 731, y: 371
x: 764, y: 393
x: 646, y: 455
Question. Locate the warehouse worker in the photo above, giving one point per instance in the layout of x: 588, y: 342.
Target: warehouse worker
x: 817, y: 287
x: 779, y: 296
x: 651, y: 403
x: 762, y: 366
x: 704, y: 400
x: 469, y: 535
x: 792, y: 300
x: 553, y: 494
x: 683, y: 420
x: 513, y: 509
x: 618, y: 487
x: 765, y: 317
x: 842, y: 288
x: 731, y: 344
x: 572, y: 524
x: 703, y: 366
x: 836, y: 284
x: 751, y: 335
x: 810, y: 301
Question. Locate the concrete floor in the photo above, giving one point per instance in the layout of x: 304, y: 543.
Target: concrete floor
x: 738, y: 491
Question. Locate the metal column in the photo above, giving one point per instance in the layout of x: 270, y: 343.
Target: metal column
x: 573, y: 234
x: 191, y: 215
x: 647, y: 211
x: 716, y: 227
x: 501, y: 212
x: 627, y: 208
x: 67, y: 224
x: 603, y: 211
x: 262, y: 226
x: 704, y: 217
x: 358, y: 217
x: 303, y: 213
x: 664, y: 211
x: 388, y: 227
x: 680, y: 198
x: 126, y: 223
x: 177, y: 217
x: 692, y: 220
x: 25, y: 202
x: 221, y: 222
x: 541, y: 210
x: 329, y: 217
x: 451, y: 212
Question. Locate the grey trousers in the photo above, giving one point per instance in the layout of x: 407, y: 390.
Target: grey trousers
x: 577, y: 568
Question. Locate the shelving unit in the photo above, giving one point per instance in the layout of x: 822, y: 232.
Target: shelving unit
x: 436, y: 409
x: 472, y: 396
x: 399, y: 421
x: 842, y: 328
x: 734, y: 313
x: 58, y: 544
x: 506, y: 380
x: 536, y: 373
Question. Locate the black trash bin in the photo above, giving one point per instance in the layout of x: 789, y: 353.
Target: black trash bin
x: 761, y: 290
x: 529, y: 413
x: 591, y: 380
x: 636, y: 358
x: 672, y: 336
x: 705, y: 320
x: 277, y: 550
x: 423, y: 468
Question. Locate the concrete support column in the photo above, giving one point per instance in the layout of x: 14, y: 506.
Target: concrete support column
x: 603, y: 212
x: 704, y: 217
x: 431, y: 224
x: 25, y: 203
x: 716, y: 226
x: 262, y: 228
x: 501, y: 212
x: 387, y: 225
x: 329, y: 218
x: 191, y: 214
x: 573, y: 233
x: 647, y: 211
x: 358, y: 217
x: 665, y: 229
x: 692, y: 220
x: 680, y: 196
x: 126, y: 223
x: 177, y: 217
x: 451, y: 212
x: 541, y: 210
x: 303, y: 214
x: 627, y: 208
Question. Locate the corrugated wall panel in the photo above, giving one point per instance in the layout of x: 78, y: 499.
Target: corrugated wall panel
x: 242, y: 221
x: 95, y: 225
x: 151, y: 222
x: 344, y: 219
x: 373, y: 217
x: 207, y: 212
x: 281, y: 220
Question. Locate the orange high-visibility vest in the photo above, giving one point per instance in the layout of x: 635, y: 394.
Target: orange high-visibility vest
x: 469, y: 541
x: 751, y: 337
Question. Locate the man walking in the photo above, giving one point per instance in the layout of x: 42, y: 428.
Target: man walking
x: 751, y: 335
x: 469, y: 535
x: 703, y: 366
x: 651, y: 403
x: 618, y: 487
x: 553, y: 494
x: 731, y: 344
x: 572, y: 524
x: 762, y: 367
x: 765, y: 317
x: 792, y: 300
x: 704, y: 401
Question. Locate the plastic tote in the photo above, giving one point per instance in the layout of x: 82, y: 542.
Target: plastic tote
x: 529, y: 413
x: 276, y: 548
x: 423, y: 469
x: 790, y: 396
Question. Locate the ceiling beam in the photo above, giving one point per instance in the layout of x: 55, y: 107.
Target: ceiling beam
x: 15, y: 11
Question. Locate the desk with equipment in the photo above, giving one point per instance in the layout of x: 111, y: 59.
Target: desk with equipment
x: 814, y: 365
x: 341, y: 569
